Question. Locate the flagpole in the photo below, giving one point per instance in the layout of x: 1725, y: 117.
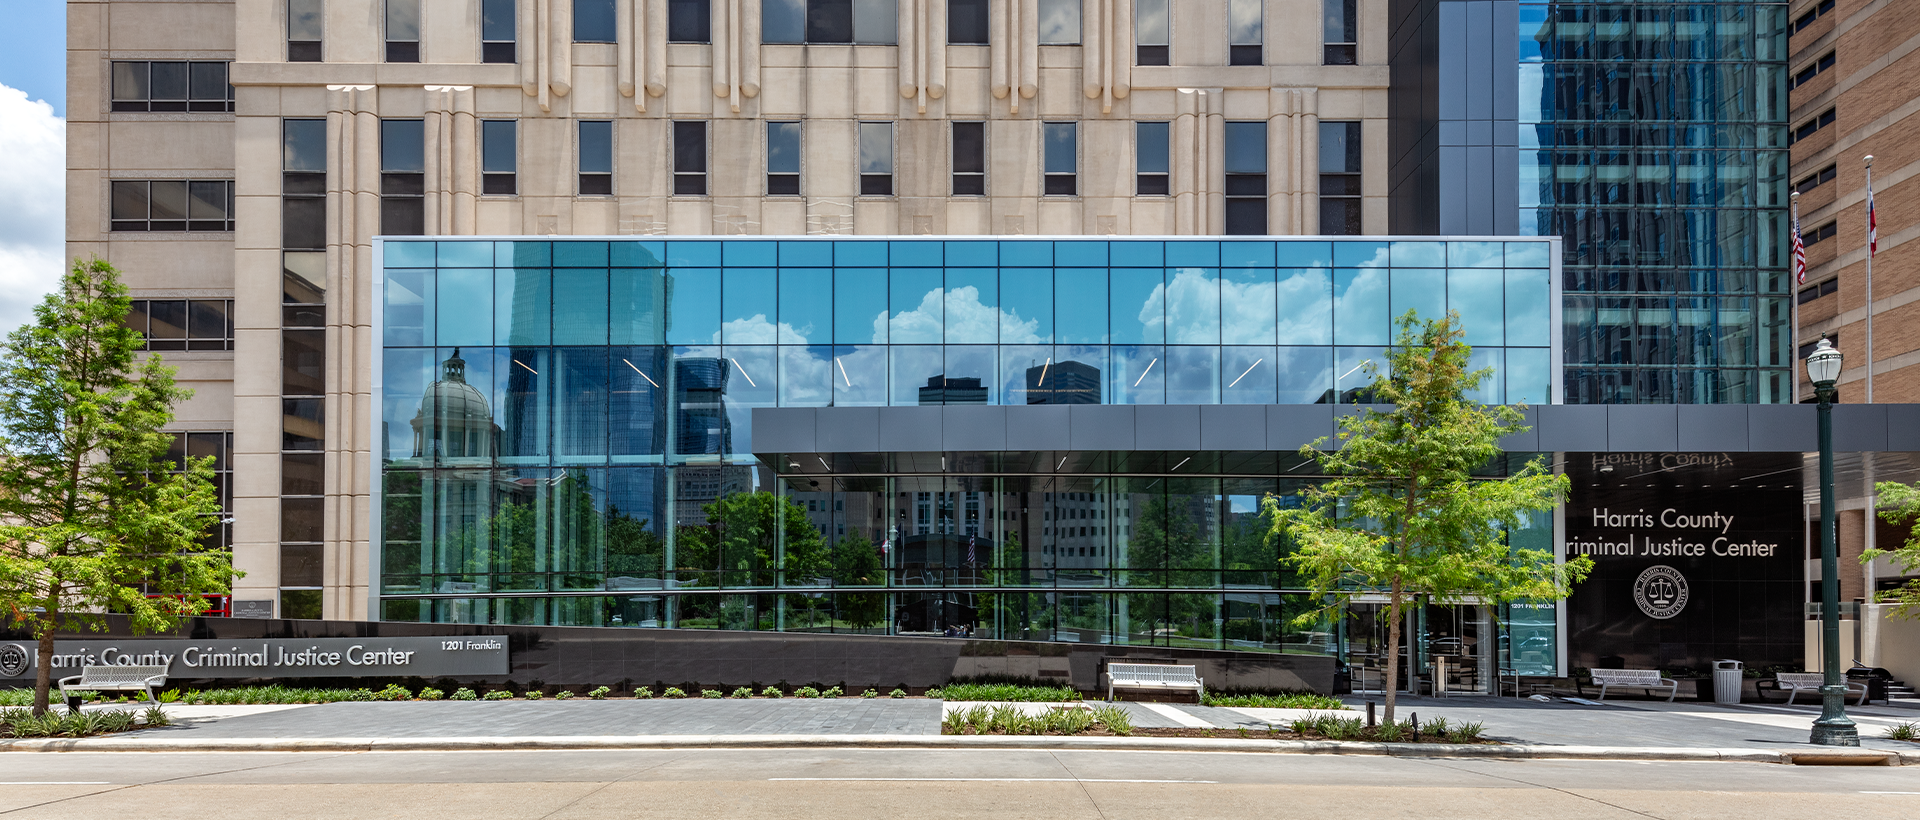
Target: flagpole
x: 1798, y: 272
x: 1871, y: 240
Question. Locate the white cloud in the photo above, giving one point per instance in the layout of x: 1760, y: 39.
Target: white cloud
x: 33, y: 204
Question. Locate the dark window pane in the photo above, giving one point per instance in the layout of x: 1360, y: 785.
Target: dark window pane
x: 1060, y: 184
x: 402, y: 146
x: 302, y: 474
x: 402, y: 184
x: 690, y: 147
x: 303, y: 52
x: 303, y: 222
x: 498, y: 184
x: 1339, y: 217
x: 169, y: 204
x: 967, y: 22
x: 169, y: 81
x: 1244, y: 55
x: 498, y: 150
x: 969, y: 147
x: 497, y: 53
x: 137, y: 316
x: 1151, y: 185
x: 596, y: 184
x: 1341, y: 55
x: 207, y: 319
x: 402, y: 216
x: 1060, y: 148
x: 303, y: 357
x: 783, y: 148
x: 130, y: 81
x: 305, y: 146
x: 303, y: 183
x: 300, y: 604
x: 783, y: 184
x: 167, y: 319
x: 876, y: 185
x: 690, y: 184
x: 829, y: 21
x: 969, y: 185
x: 689, y: 21
x: 783, y: 21
x: 593, y: 21
x: 1339, y: 147
x: 1246, y: 147
x: 1150, y: 55
x: 302, y: 424
x: 130, y: 199
x: 301, y: 564
x: 208, y: 81
x: 403, y: 52
x: 1246, y: 217
x: 496, y: 20
x: 207, y: 200
x: 596, y: 147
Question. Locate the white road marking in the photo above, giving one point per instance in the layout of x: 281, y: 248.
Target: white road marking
x: 1176, y: 715
x: 1890, y: 792
x: 973, y: 780
x: 54, y: 783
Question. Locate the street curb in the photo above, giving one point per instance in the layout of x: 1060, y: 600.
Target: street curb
x: 136, y: 743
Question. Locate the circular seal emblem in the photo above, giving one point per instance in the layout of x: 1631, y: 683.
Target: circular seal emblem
x: 1661, y: 591
x: 13, y: 660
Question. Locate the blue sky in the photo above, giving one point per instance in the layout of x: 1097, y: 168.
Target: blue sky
x: 34, y: 57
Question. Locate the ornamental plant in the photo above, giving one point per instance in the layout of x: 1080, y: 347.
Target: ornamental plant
x: 598, y: 692
x: 498, y: 694
x: 711, y: 693
x: 674, y: 692
x: 806, y: 692
x: 564, y: 694
x: 463, y: 693
x: 431, y: 693
x: 742, y: 693
x: 770, y: 692
x: 535, y: 694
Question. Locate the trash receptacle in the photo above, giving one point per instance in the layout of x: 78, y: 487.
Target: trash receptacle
x: 1727, y: 676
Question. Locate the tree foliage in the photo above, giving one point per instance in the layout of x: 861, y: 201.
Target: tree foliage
x: 1403, y: 513
x: 1900, y: 504
x: 94, y: 518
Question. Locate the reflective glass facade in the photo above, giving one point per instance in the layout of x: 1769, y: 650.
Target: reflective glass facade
x: 1653, y: 140
x: 565, y: 427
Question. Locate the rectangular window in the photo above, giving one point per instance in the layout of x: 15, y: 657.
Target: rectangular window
x: 1151, y: 154
x: 1815, y: 291
x: 876, y: 159
x: 153, y: 85
x: 1152, y: 30
x: 499, y: 157
x: 593, y: 21
x: 1813, y: 69
x: 1816, y: 179
x: 183, y: 324
x: 403, y: 31
x: 1059, y: 22
x: 1246, y: 180
x: 1339, y: 178
x: 690, y: 159
x: 1818, y: 12
x: 596, y: 158
x: 496, y: 31
x: 689, y: 21
x: 967, y: 22
x: 1060, y: 158
x: 969, y: 159
x: 1246, y: 32
x: 403, y: 177
x: 1811, y: 126
x: 303, y: 184
x: 829, y: 21
x: 1820, y: 234
x: 1341, y: 32
x: 172, y: 205
x: 304, y: 29
x: 783, y: 159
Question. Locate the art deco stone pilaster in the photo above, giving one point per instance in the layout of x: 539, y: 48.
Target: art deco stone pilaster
x: 1015, y: 35
x: 923, y: 51
x: 1199, y: 145
x: 1107, y: 43
x: 643, y: 51
x: 353, y: 217
x: 452, y: 160
x: 1293, y: 155
x: 736, y: 50
x: 546, y: 67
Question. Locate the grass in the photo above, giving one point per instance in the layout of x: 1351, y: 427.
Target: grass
x: 24, y: 697
x: 16, y: 722
x: 1277, y: 700
x: 1904, y: 731
x: 1334, y: 727
x: 1004, y: 692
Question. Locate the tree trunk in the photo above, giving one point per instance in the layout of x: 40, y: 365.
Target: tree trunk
x: 43, y: 668
x: 1393, y: 650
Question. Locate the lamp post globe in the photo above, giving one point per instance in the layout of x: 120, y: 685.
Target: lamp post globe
x: 1833, y: 728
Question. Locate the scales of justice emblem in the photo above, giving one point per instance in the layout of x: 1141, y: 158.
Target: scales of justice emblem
x: 1661, y: 591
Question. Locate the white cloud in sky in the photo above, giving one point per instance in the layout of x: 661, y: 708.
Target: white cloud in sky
x: 33, y: 204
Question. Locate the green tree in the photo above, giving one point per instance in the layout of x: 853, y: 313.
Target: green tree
x: 1900, y: 504
x: 1403, y: 513
x: 856, y: 562
x: 96, y: 518
x: 742, y: 540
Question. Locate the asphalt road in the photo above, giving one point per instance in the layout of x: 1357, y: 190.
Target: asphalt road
x: 863, y: 784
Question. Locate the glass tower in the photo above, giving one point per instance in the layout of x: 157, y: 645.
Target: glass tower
x: 1653, y: 141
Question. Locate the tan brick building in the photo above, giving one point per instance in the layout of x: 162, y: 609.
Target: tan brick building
x: 235, y: 158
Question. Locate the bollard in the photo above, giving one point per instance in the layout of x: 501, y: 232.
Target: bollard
x: 1369, y: 714
x: 1415, y: 716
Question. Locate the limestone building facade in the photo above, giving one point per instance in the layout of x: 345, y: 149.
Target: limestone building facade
x: 236, y: 158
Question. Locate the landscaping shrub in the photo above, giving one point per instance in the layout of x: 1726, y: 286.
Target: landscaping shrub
x: 673, y: 692
x: 535, y: 694
x: 24, y: 697
x: 564, y: 694
x: 806, y: 692
x: 498, y: 694
x: 770, y: 692
x: 598, y: 692
x: 897, y: 693
x: 711, y: 693
x: 1005, y: 692
x: 156, y: 716
x: 1012, y: 720
x: 643, y: 693
x: 1277, y: 700
x: 463, y: 693
x: 393, y: 691
x: 870, y: 693
x: 742, y: 692
x: 833, y: 692
x: 430, y: 693
x: 20, y: 722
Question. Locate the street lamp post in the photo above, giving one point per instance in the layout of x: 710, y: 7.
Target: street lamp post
x: 1833, y: 728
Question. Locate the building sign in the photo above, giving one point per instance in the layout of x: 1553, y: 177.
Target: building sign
x: 273, y: 657
x: 1697, y: 557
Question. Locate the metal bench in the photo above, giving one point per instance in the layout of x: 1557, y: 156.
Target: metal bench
x: 1153, y: 676
x: 116, y: 678
x: 1648, y: 679
x: 1793, y: 683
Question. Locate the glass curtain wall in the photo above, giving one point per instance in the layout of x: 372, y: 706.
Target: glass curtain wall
x: 1653, y: 140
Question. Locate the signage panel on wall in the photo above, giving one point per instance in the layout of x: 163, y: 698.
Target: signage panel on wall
x: 273, y: 657
x: 1697, y: 557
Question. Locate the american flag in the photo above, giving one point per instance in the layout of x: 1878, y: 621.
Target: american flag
x: 1799, y: 249
x: 1873, y: 226
x: 970, y: 540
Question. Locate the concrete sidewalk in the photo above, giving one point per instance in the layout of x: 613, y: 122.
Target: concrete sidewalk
x: 1617, y: 729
